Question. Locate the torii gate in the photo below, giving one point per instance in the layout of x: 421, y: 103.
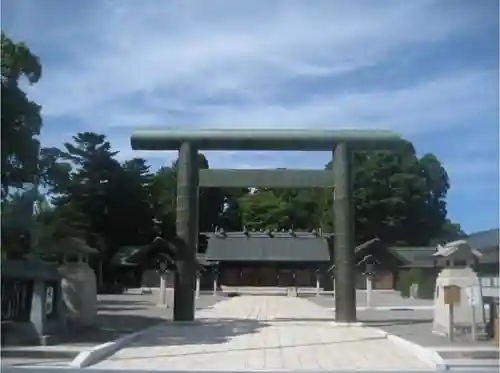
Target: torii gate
x: 188, y: 142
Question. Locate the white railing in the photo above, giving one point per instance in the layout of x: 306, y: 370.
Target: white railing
x: 490, y: 286
x: 490, y: 282
x: 90, y: 370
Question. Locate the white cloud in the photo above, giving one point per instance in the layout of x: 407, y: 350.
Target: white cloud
x: 128, y: 47
x: 121, y: 64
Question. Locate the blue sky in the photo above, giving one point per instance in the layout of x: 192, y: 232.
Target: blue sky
x: 427, y: 69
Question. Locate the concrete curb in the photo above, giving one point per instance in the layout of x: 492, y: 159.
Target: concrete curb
x: 427, y: 355
x: 392, y: 308
x: 102, y: 351
x: 347, y: 324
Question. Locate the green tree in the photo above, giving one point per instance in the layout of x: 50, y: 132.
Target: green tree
x: 302, y: 207
x: 86, y: 194
x: 437, y: 185
x: 398, y: 197
x: 17, y: 222
x: 163, y: 197
x: 450, y: 231
x: 21, y: 120
x: 110, y: 202
x: 164, y: 194
x: 263, y: 210
x: 131, y: 203
x: 233, y: 220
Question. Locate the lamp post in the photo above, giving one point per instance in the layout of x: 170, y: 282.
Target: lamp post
x: 163, y: 284
x: 369, y: 262
x: 369, y: 283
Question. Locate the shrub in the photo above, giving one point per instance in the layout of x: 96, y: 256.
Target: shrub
x: 426, y: 287
x: 425, y: 283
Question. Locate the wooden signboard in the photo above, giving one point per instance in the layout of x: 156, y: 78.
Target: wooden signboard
x: 452, y: 294
x: 451, y: 298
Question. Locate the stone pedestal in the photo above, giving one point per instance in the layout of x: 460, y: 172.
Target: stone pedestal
x: 463, y: 312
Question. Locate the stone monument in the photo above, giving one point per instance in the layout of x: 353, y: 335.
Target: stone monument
x: 78, y: 283
x: 467, y: 312
x: 32, y: 310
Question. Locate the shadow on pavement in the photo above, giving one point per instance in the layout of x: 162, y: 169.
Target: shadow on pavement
x: 304, y: 319
x: 111, y: 327
x: 210, y: 332
x: 128, y: 308
x: 394, y: 322
x: 122, y: 302
x: 119, y: 315
x: 39, y: 354
x: 201, y: 331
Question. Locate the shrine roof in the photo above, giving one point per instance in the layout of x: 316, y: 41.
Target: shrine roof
x: 277, y: 247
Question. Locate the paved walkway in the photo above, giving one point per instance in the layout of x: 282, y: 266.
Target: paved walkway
x: 118, y: 315
x: 263, y: 332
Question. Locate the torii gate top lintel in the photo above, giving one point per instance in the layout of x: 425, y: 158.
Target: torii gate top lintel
x: 338, y: 142
x: 263, y: 139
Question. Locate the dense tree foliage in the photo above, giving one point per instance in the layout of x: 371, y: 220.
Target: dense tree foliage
x: 398, y: 196
x: 21, y: 120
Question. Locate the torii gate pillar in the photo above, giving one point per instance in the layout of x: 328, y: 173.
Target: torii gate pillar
x: 187, y: 231
x: 342, y: 142
x: 343, y: 223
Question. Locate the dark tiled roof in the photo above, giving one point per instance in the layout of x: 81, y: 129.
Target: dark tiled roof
x: 283, y: 247
x: 423, y: 256
x: 490, y: 256
x: 415, y: 256
x: 125, y: 253
x: 373, y: 243
x: 133, y: 255
x: 484, y: 240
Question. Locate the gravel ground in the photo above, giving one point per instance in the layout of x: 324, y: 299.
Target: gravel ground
x: 118, y: 315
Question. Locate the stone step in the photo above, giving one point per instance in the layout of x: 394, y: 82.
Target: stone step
x: 472, y: 363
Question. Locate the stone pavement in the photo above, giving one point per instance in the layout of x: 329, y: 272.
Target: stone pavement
x: 263, y: 332
x: 118, y: 315
x: 413, y: 322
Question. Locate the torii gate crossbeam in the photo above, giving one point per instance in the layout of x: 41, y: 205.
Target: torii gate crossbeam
x: 189, y: 142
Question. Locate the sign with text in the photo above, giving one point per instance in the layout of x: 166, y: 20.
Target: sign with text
x: 473, y: 295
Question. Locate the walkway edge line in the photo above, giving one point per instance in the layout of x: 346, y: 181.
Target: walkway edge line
x: 102, y: 351
x: 427, y: 355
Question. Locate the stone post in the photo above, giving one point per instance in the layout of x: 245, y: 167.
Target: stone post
x: 317, y: 283
x: 197, y: 290
x: 187, y: 231
x: 214, y: 291
x: 38, y: 311
x: 345, y: 291
x: 369, y: 290
x: 369, y: 283
x: 163, y: 289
